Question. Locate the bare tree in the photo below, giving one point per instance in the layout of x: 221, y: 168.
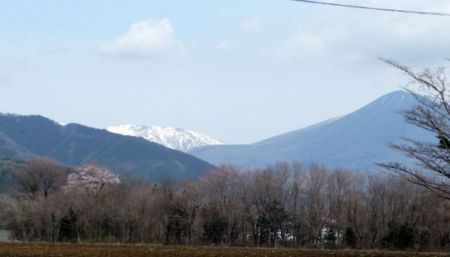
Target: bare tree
x: 315, y: 196
x: 432, y: 113
x: 282, y: 205
x: 39, y: 175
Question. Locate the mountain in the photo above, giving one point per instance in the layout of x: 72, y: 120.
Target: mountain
x: 23, y: 137
x: 174, y: 138
x: 355, y: 141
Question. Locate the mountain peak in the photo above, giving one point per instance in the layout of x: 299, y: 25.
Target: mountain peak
x: 23, y: 137
x: 398, y: 97
x: 172, y: 137
x: 355, y: 141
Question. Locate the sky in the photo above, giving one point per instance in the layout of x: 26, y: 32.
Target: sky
x: 237, y: 70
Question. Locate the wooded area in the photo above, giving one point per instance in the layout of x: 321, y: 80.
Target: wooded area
x: 287, y: 205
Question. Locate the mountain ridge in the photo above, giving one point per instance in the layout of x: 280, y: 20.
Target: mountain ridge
x: 171, y: 137
x: 24, y: 137
x: 354, y: 141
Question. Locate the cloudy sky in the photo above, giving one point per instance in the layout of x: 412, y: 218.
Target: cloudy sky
x: 238, y: 70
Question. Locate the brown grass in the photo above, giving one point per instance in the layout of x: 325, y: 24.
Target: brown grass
x: 85, y: 250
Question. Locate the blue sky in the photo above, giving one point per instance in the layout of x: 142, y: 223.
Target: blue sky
x: 239, y: 70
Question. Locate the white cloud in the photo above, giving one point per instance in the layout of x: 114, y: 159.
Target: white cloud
x: 301, y: 43
x: 252, y: 25
x: 307, y: 43
x: 146, y: 39
x: 355, y: 37
x: 227, y: 46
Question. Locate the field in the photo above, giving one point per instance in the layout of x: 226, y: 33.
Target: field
x: 60, y: 250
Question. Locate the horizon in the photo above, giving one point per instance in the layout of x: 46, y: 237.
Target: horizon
x: 206, y: 133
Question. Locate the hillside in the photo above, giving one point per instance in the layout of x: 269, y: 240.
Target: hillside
x: 23, y: 137
x: 355, y: 141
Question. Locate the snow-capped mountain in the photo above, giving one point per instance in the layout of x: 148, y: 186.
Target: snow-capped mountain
x: 34, y: 136
x: 175, y: 138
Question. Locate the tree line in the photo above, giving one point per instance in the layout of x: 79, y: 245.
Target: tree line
x: 286, y: 205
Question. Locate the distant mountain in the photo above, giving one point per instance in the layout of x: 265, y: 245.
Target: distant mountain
x: 22, y: 137
x: 355, y: 141
x: 175, y: 138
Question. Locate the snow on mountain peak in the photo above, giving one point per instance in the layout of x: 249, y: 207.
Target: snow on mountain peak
x: 171, y: 137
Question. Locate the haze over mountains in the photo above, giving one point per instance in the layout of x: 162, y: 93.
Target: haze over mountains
x: 174, y: 138
x: 355, y: 141
x: 23, y: 137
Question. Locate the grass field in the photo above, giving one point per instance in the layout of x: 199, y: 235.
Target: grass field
x: 60, y: 250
